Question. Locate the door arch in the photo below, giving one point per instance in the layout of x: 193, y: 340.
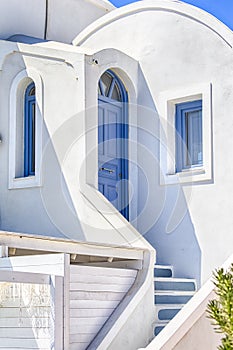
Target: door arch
x: 113, y: 141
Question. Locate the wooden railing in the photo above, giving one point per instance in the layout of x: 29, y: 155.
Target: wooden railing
x: 31, y: 311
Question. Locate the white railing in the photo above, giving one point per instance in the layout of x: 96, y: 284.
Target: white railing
x: 31, y: 310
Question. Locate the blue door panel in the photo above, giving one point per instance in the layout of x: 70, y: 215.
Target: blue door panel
x: 112, y: 194
x: 112, y: 153
x: 101, y: 130
x: 101, y: 188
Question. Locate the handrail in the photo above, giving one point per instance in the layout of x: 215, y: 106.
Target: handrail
x: 125, y: 309
x: 24, y: 277
x: 55, y: 244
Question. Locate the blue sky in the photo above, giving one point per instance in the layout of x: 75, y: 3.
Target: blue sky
x: 222, y: 9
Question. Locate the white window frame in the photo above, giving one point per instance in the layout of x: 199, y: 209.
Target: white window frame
x: 21, y: 82
x: 167, y: 110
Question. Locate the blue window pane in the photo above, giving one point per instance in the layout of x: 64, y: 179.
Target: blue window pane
x: 193, y: 137
x: 29, y: 130
x: 189, y: 140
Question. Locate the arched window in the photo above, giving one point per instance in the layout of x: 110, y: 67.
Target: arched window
x: 109, y: 87
x: 26, y: 125
x: 29, y: 130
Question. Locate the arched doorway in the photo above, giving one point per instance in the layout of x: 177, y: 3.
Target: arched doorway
x: 113, y: 141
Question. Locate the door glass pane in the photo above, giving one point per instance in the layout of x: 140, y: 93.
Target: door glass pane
x: 32, y: 91
x: 106, y: 82
x: 99, y: 91
x: 116, y: 93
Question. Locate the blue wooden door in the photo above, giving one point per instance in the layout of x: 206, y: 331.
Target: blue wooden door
x: 112, y: 143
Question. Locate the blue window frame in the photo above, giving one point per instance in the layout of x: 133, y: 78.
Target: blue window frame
x: 29, y: 130
x: 189, y: 143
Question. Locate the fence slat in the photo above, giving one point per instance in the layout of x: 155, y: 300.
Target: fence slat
x: 31, y: 311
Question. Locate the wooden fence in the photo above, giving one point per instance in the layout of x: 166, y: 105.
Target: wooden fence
x: 31, y: 311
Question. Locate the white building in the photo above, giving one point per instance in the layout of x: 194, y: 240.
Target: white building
x: 116, y: 144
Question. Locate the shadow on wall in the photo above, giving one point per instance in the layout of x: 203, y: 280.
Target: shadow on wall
x: 55, y: 193
x: 163, y: 211
x: 58, y: 209
x: 47, y: 209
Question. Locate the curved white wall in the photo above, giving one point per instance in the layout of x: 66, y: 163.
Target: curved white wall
x: 178, y: 47
x: 65, y: 18
x: 69, y: 17
x: 22, y: 17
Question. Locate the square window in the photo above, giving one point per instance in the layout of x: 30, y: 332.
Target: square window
x: 186, y: 147
x: 189, y: 139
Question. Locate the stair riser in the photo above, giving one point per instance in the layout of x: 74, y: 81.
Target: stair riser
x: 171, y: 299
x: 171, y: 293
x: 158, y: 272
x: 158, y: 329
x: 167, y: 314
x: 177, y: 286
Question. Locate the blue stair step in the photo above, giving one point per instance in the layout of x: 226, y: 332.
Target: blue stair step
x: 181, y: 284
x: 159, y: 327
x: 166, y: 312
x: 163, y: 271
x: 172, y: 297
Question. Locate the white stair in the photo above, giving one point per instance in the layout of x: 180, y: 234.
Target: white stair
x: 171, y: 294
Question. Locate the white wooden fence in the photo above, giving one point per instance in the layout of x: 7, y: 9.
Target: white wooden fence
x: 95, y: 292
x: 31, y: 311
x: 62, y: 310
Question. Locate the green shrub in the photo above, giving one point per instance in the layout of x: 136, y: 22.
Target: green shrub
x: 220, y: 310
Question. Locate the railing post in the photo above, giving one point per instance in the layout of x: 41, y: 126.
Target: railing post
x: 57, y: 315
x: 3, y: 251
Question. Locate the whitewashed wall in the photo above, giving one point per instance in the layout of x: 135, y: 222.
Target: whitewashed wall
x: 95, y: 292
x: 69, y: 17
x: 65, y: 18
x: 200, y: 336
x: 180, y: 49
x: 26, y: 17
x: 63, y: 175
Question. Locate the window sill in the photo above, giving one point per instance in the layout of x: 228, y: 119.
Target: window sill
x: 24, y: 182
x: 191, y: 171
x: 188, y: 176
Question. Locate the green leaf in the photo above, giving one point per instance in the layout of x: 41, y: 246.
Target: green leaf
x: 220, y: 310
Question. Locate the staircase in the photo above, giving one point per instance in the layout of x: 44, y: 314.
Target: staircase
x: 170, y: 294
